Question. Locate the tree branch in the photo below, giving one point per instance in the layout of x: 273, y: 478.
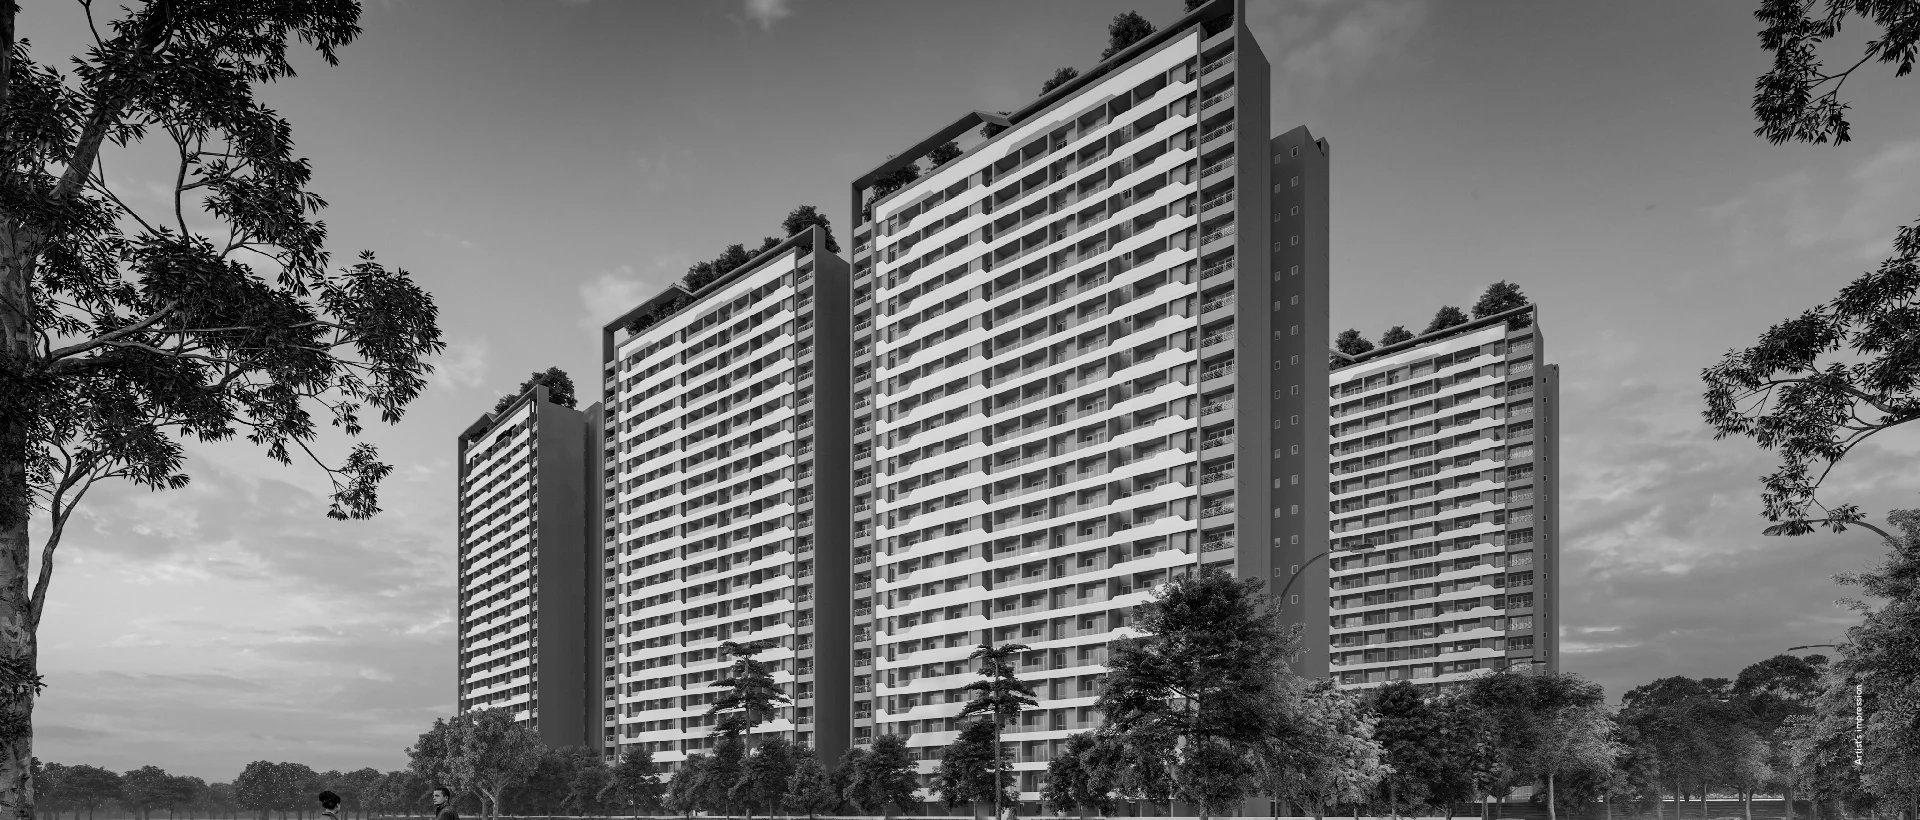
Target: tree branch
x: 56, y: 528
x: 107, y: 107
x: 114, y: 336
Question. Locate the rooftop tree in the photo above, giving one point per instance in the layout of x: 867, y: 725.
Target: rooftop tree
x: 1126, y: 29
x: 944, y: 153
x: 125, y: 332
x: 1060, y: 77
x: 1395, y: 335
x: 559, y: 389
x: 1447, y: 316
x: 1351, y: 342
x: 806, y: 216
x: 1501, y: 297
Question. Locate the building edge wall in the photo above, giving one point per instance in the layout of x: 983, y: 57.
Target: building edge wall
x: 1301, y: 567
x: 562, y: 559
x: 833, y: 506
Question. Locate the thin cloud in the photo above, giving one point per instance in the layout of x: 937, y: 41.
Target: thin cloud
x: 1321, y: 49
x: 463, y: 365
x: 1805, y: 211
x: 767, y: 12
x: 613, y: 292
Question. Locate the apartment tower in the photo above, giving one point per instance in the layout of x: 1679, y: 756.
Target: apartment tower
x: 528, y: 593
x: 1088, y: 359
x: 726, y: 474
x: 1444, y: 505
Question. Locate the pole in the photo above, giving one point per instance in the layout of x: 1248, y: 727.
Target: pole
x: 1296, y: 576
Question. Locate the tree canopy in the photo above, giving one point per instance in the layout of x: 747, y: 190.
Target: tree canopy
x: 1060, y: 77
x: 1352, y: 343
x: 559, y: 389
x: 1126, y: 29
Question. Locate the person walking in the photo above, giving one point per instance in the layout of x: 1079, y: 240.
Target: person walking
x: 443, y: 804
x: 329, y: 802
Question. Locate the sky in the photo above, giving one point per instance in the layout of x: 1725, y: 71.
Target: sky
x: 542, y: 166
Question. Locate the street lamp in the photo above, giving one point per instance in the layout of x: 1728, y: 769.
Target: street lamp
x: 1859, y: 713
x: 1296, y: 574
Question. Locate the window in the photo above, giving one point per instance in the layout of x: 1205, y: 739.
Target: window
x: 1296, y: 300
x: 1296, y: 182
x: 1296, y: 330
x: 1296, y: 476
x: 1296, y: 210
x: 1296, y: 270
x: 1296, y: 360
x: 1296, y: 420
x: 1296, y: 150
x: 1296, y: 390
x: 1296, y: 239
x: 1296, y: 539
x: 1296, y: 569
x: 1295, y: 599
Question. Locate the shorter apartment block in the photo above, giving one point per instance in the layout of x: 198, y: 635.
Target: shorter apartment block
x: 525, y: 600
x: 727, y: 508
x: 1443, y: 504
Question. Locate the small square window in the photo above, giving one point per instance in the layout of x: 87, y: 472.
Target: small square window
x: 1296, y: 150
x: 1296, y: 210
x: 1296, y: 182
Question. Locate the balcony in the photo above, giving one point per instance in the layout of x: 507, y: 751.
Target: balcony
x: 1216, y: 133
x: 1221, y: 233
x: 1223, y: 267
x: 1216, y: 99
x: 1219, y: 372
x: 1217, y: 167
x: 1217, y: 201
x: 1217, y: 441
x: 1223, y: 62
x: 1216, y: 304
x: 1216, y: 338
x: 1217, y: 475
x: 1214, y: 544
x: 1220, y: 407
x: 1225, y: 508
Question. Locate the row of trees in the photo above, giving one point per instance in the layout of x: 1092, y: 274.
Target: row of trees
x: 1499, y: 297
x: 263, y: 789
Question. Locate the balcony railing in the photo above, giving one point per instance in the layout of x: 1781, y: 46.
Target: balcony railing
x: 1213, y: 133
x: 1217, y: 509
x: 1217, y: 167
x: 1223, y: 267
x: 1213, y: 544
x: 1223, y: 61
x: 1216, y: 99
x: 1219, y: 372
x: 1217, y: 201
x: 1217, y: 475
x: 1216, y: 304
x: 1218, y: 441
x: 1221, y: 233
x: 1216, y: 408
x: 1216, y: 338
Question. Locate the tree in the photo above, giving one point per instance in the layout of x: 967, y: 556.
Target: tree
x: 749, y: 696
x: 1351, y: 342
x: 973, y: 763
x: 431, y: 760
x: 886, y: 185
x: 356, y: 787
x: 1820, y: 747
x: 144, y: 788
x: 90, y: 787
x: 810, y: 790
x: 1881, y: 656
x: 992, y: 129
x: 686, y: 791
x: 842, y: 777
x: 50, y: 790
x: 724, y: 770
x: 1447, y: 316
x: 1772, y: 691
x: 1674, y: 719
x: 944, y: 153
x: 1573, y: 738
x: 181, y: 793
x: 1126, y: 29
x: 1467, y: 759
x: 255, y: 788
x: 1748, y: 767
x: 999, y: 695
x: 1343, y: 762
x: 635, y: 783
x: 587, y: 783
x: 125, y: 332
x: 1519, y: 709
x: 1205, y: 689
x: 1501, y: 297
x: 806, y: 216
x: 218, y: 801
x: 493, y: 754
x: 559, y: 389
x: 1395, y: 335
x: 764, y: 780
x: 1194, y: 4
x: 1073, y: 780
x: 1060, y: 77
x: 1812, y: 388
x: 885, y: 779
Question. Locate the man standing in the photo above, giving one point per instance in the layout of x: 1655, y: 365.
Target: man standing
x: 443, y: 804
x: 329, y: 803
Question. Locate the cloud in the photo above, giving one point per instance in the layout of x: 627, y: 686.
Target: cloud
x: 1804, y: 210
x: 463, y: 365
x: 449, y: 239
x: 611, y: 293
x: 1320, y: 48
x: 767, y: 12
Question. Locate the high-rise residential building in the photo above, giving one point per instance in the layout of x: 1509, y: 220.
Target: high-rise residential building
x: 528, y: 594
x: 1444, y: 500
x: 1088, y: 359
x: 726, y: 501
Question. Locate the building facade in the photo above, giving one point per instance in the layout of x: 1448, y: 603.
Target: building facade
x: 726, y: 510
x: 528, y: 596
x: 1088, y: 359
x: 1444, y: 506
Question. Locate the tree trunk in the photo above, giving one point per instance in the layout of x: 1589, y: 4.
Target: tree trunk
x: 1746, y: 803
x: 1703, y: 802
x: 1550, y: 810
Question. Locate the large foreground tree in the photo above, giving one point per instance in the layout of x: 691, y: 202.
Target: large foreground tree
x: 123, y: 332
x: 1814, y: 387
